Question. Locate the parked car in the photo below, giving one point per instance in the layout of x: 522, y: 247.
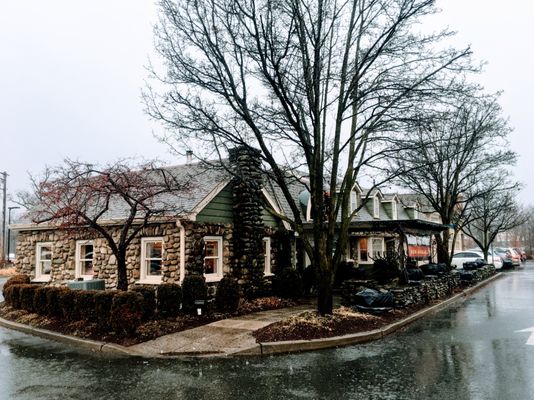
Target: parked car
x: 462, y: 257
x: 521, y: 253
x: 509, y: 256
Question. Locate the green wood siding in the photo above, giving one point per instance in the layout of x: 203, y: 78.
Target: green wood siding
x: 218, y: 210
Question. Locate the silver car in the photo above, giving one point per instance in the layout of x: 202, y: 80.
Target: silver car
x: 462, y: 257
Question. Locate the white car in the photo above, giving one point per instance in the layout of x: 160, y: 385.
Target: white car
x: 462, y: 257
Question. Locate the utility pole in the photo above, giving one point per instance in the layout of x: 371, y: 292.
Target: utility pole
x: 4, y: 203
x: 9, y: 231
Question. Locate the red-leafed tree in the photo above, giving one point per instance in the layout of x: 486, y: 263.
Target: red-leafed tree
x: 115, y: 201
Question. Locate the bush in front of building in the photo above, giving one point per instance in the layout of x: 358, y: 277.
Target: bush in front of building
x: 65, y: 300
x: 149, y: 300
x: 20, y: 279
x: 103, y: 302
x: 287, y: 284
x: 126, y: 312
x: 194, y: 288
x: 40, y: 304
x: 27, y: 294
x: 227, y: 296
x: 53, y: 301
x: 84, y: 305
x: 11, y: 296
x: 169, y: 300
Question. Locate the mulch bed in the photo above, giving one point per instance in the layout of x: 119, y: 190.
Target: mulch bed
x: 147, y: 331
x: 344, y: 321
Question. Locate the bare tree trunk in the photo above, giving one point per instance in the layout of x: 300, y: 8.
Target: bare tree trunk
x: 122, y: 279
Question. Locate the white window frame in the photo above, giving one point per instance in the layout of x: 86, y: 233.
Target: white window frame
x: 78, y: 271
x: 370, y: 249
x: 144, y: 275
x: 218, y: 274
x: 39, y: 276
x: 376, y: 207
x: 415, y: 212
x: 353, y: 201
x: 394, y: 213
x: 267, y: 256
x: 382, y: 246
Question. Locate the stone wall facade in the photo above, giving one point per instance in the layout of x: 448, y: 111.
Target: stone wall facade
x: 105, y: 263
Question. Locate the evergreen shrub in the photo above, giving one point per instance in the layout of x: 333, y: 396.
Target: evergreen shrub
x: 19, y: 279
x: 126, y: 312
x: 169, y: 299
x: 103, y: 302
x: 53, y: 301
x: 85, y: 305
x: 193, y: 288
x: 27, y: 294
x: 288, y: 284
x: 149, y: 300
x: 227, y: 296
x: 40, y: 304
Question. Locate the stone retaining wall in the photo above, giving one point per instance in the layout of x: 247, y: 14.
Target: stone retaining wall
x: 417, y: 292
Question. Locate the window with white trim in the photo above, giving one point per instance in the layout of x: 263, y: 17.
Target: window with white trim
x: 353, y: 201
x: 376, y: 207
x: 213, y: 258
x: 394, y: 214
x: 370, y: 248
x: 84, y: 259
x: 416, y: 212
x: 43, y: 261
x: 267, y: 255
x: 151, y: 259
x: 377, y: 247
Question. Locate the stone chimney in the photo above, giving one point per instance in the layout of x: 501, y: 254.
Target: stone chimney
x: 189, y: 156
x: 248, y: 233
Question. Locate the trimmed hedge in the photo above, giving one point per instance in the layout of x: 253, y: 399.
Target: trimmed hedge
x: 193, y: 288
x: 53, y: 303
x: 27, y: 294
x: 103, y: 302
x: 85, y: 305
x: 169, y: 299
x: 288, y: 284
x: 66, y: 300
x: 149, y: 300
x: 40, y: 303
x: 126, y: 312
x: 227, y: 296
x: 20, y: 279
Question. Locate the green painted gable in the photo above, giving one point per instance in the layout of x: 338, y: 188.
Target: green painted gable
x: 219, y: 210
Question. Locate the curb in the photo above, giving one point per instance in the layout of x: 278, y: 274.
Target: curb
x: 268, y: 348
x: 86, y: 344
x: 293, y: 346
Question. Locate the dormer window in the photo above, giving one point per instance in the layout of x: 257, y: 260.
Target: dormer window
x: 394, y: 210
x: 416, y: 211
x: 353, y: 201
x: 376, y: 207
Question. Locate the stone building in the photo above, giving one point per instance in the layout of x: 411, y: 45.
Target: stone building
x: 224, y: 227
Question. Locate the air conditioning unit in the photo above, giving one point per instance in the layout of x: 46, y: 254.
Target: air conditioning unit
x: 92, y: 284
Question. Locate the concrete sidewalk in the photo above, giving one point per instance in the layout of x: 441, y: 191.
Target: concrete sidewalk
x: 232, y: 336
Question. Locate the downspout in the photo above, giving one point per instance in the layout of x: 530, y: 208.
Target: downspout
x: 182, y: 249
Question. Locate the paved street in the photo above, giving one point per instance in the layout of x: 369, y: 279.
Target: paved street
x: 469, y: 351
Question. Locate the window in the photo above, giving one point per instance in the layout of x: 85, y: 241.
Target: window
x: 415, y: 212
x: 213, y: 261
x: 353, y: 201
x: 84, y: 259
x: 364, y: 256
x: 376, y: 207
x: 267, y: 255
x: 393, y: 209
x: 377, y: 246
x: 151, y: 259
x: 370, y: 249
x: 43, y: 261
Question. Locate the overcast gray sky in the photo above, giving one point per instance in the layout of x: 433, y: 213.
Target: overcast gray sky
x: 72, y: 71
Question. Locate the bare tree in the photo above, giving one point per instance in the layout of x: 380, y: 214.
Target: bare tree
x: 493, y: 212
x: 116, y: 201
x: 451, y: 161
x: 316, y: 85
